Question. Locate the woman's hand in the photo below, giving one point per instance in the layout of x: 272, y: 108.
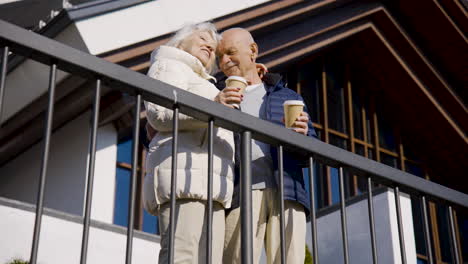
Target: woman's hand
x: 229, y: 96
x: 150, y: 131
x: 261, y: 70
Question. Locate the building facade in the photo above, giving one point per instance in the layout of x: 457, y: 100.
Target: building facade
x: 383, y: 79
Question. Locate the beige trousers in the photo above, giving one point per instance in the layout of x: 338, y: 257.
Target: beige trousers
x: 266, y: 230
x: 190, y: 232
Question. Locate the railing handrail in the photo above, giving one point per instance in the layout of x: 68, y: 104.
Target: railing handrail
x: 74, y: 61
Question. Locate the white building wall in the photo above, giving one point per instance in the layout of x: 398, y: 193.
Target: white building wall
x: 329, y: 235
x: 30, y: 79
x: 66, y: 175
x: 60, y: 240
x: 111, y: 31
x: 152, y: 19
x: 104, y: 175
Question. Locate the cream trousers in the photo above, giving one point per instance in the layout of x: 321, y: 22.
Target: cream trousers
x: 190, y: 232
x: 266, y: 230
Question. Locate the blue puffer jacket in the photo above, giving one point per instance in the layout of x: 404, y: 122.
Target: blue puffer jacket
x: 294, y: 186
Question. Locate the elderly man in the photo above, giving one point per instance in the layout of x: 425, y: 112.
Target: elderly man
x: 237, y: 54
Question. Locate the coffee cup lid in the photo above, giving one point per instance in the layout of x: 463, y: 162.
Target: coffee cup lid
x: 237, y: 78
x: 293, y: 102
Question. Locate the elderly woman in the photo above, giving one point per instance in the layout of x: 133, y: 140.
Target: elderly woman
x: 185, y: 62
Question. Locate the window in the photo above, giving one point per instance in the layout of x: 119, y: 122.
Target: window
x: 462, y: 224
x: 418, y: 226
x: 335, y: 95
x: 317, y: 180
x: 310, y: 82
x: 386, y: 132
x: 421, y: 261
x: 348, y: 110
x: 389, y: 160
x: 444, y: 238
x: 143, y: 220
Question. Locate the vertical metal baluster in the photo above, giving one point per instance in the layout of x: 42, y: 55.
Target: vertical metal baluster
x: 90, y: 172
x: 453, y: 237
x: 209, y: 226
x: 131, y: 206
x: 427, y: 235
x: 370, y: 207
x: 313, y: 218
x: 281, y: 201
x: 45, y: 159
x: 400, y: 225
x: 3, y: 79
x: 246, y: 198
x: 343, y: 218
x: 175, y: 134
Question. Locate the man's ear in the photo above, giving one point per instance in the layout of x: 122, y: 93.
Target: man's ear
x: 254, y: 50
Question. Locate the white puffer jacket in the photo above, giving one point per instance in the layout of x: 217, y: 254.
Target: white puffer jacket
x: 181, y: 69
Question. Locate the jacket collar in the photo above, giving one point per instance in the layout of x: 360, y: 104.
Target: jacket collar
x: 167, y: 52
x: 273, y: 81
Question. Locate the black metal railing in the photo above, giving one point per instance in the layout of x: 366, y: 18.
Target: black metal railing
x: 59, y: 56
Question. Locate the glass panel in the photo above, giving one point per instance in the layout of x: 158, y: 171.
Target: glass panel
x: 389, y: 160
x: 359, y: 149
x: 361, y: 181
x: 319, y: 133
x: 320, y: 194
x: 317, y: 180
x: 338, y: 141
x: 357, y: 116
x: 310, y: 79
x: 442, y: 222
x: 335, y: 96
x: 409, y: 154
x: 321, y: 185
x: 361, y: 185
x: 150, y: 223
x: 371, y: 154
x: 335, y: 188
x: 361, y: 102
x: 386, y: 138
x: 414, y: 169
x: 335, y: 184
x: 421, y: 261
x: 370, y: 135
x: 122, y: 196
x: 124, y: 151
x: 349, y: 184
x: 462, y: 221
x: 386, y: 135
x: 418, y: 226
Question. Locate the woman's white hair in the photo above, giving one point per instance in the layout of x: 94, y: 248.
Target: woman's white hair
x: 188, y: 30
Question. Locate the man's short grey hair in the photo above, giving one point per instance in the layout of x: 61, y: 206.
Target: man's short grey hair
x: 188, y: 30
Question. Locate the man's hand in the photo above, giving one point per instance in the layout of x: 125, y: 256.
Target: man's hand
x: 229, y: 96
x: 301, y: 124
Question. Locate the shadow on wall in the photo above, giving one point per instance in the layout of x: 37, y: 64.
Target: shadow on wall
x: 66, y: 171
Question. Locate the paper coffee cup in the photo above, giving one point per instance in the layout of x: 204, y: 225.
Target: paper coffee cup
x: 292, y: 110
x: 236, y: 81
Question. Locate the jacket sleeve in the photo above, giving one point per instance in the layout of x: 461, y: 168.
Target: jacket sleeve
x: 160, y: 118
